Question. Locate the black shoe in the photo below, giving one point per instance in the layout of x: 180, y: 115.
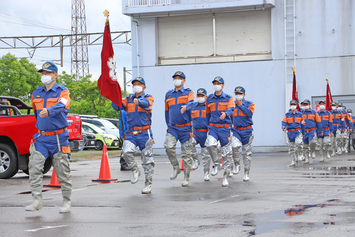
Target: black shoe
x: 125, y: 168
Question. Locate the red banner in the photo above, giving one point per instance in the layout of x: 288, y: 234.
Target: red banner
x: 294, y: 91
x: 328, y: 100
x: 107, y: 83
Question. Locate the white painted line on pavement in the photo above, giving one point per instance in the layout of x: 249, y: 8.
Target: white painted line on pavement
x: 224, y: 199
x: 80, y: 189
x: 45, y: 228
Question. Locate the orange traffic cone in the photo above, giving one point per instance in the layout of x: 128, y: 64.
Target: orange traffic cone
x: 182, y: 164
x: 54, y: 181
x: 105, y: 174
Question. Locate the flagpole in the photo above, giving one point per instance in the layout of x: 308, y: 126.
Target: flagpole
x: 107, y: 14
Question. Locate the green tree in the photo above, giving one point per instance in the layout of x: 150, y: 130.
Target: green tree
x: 18, y: 78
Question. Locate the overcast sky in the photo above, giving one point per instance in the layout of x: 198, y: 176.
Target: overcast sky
x: 31, y: 17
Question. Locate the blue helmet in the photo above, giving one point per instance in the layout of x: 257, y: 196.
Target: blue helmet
x: 239, y: 89
x: 140, y: 79
x: 48, y: 67
x: 179, y: 73
x: 201, y: 91
x: 219, y: 79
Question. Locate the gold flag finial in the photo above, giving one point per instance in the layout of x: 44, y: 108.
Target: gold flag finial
x: 293, y: 68
x: 327, y: 80
x: 106, y: 13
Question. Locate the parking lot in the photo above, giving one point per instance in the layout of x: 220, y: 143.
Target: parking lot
x: 311, y: 200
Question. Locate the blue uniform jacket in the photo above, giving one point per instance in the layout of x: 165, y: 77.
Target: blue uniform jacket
x: 326, y: 120
x: 242, y: 115
x: 292, y: 120
x: 338, y: 120
x: 174, y: 100
x: 216, y: 105
x: 57, y: 102
x: 137, y: 115
x: 310, y: 119
x: 199, y: 120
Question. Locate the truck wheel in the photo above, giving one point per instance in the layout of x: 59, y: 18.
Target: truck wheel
x: 8, y: 162
x: 46, y: 168
x: 99, y: 145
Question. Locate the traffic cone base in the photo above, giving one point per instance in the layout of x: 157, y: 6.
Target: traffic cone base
x: 105, y: 174
x: 182, y: 166
x: 54, y: 181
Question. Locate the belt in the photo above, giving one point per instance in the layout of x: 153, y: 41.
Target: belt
x: 242, y: 128
x: 43, y: 133
x: 325, y: 129
x: 136, y: 132
x: 182, y: 125
x: 295, y: 129
x: 219, y: 125
x: 140, y: 128
x: 201, y: 130
x: 309, y: 129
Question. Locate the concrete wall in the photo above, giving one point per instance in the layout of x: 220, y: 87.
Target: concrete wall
x: 321, y: 52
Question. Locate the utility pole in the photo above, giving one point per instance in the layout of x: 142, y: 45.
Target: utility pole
x: 79, y: 42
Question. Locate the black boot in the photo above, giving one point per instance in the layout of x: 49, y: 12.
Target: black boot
x: 124, y: 166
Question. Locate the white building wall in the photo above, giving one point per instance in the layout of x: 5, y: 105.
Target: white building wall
x: 321, y: 53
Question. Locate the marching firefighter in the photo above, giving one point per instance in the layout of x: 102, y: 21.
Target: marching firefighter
x: 219, y: 108
x: 178, y: 105
x: 346, y: 133
x: 200, y: 127
x: 325, y: 134
x: 291, y: 125
x: 311, y: 122
x: 337, y: 121
x: 139, y: 119
x: 351, y: 127
x: 51, y: 104
x: 242, y: 131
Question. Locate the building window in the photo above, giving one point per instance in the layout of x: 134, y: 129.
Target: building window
x: 220, y: 37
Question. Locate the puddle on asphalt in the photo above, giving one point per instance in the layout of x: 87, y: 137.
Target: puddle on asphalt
x: 274, y: 220
x: 329, y: 171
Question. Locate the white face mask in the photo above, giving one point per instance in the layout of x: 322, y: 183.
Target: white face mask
x: 334, y: 107
x: 238, y: 97
x: 217, y: 87
x: 201, y: 100
x: 137, y: 89
x: 293, y: 107
x: 350, y: 114
x: 322, y: 107
x: 177, y: 82
x: 306, y: 107
x: 46, y: 79
x: 340, y: 108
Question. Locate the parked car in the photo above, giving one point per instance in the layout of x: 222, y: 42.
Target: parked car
x: 101, y: 136
x: 105, y: 125
x: 88, y: 138
x: 16, y: 132
x: 116, y: 122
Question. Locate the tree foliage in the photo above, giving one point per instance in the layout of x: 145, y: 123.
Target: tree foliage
x: 20, y: 78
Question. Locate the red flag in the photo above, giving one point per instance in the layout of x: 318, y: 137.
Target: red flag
x: 107, y: 83
x: 328, y: 99
x: 294, y: 89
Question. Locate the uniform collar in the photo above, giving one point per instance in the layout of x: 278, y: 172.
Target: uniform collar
x: 54, y: 87
x: 182, y: 89
x: 223, y: 95
x: 141, y: 96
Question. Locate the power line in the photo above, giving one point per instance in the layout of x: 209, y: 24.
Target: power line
x: 29, y: 22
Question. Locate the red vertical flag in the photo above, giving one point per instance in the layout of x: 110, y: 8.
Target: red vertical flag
x: 107, y: 83
x: 328, y: 99
x: 294, y: 89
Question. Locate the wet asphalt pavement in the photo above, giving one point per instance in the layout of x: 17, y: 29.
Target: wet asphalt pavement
x: 310, y: 200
